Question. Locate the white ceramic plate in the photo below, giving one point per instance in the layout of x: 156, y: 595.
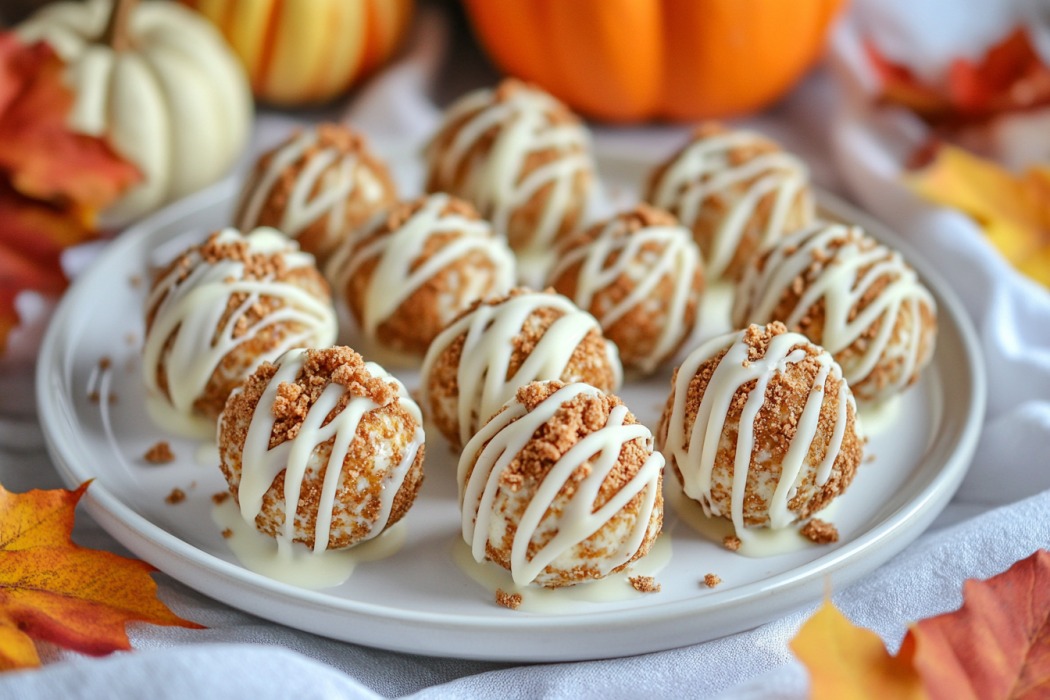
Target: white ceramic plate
x: 418, y: 600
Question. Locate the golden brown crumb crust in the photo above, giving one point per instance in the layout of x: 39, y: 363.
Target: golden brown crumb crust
x: 508, y: 600
x: 820, y: 532
x: 159, y: 454
x: 644, y: 584
x: 711, y: 580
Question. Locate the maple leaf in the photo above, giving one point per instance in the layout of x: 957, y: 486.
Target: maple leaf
x: 997, y: 645
x: 57, y: 591
x: 1013, y: 210
x: 1010, y: 76
x: 849, y: 663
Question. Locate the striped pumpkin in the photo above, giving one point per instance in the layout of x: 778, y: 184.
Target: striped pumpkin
x: 308, y: 51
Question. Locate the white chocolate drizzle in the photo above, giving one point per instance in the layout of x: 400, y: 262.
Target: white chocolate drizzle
x: 703, y: 169
x: 393, y: 280
x: 499, y: 442
x: 678, y: 259
x: 734, y: 370
x: 261, y: 464
x: 488, y: 347
x: 304, y: 207
x: 495, y: 184
x: 194, y: 306
x: 846, y: 275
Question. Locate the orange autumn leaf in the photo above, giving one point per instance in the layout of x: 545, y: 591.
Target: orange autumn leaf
x: 1013, y: 210
x: 1011, y: 76
x: 849, y: 663
x: 56, y: 591
x: 997, y: 645
x: 44, y: 158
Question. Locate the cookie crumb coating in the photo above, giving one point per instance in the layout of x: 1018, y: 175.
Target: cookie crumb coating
x: 570, y: 442
x: 737, y: 191
x: 521, y: 157
x: 351, y: 415
x: 217, y: 312
x: 478, y: 362
x: 316, y: 187
x: 779, y: 408
x: 854, y: 296
x: 640, y: 275
x: 413, y: 269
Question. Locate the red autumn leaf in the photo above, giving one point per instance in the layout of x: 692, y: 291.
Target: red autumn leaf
x: 44, y: 158
x: 1011, y: 76
x: 997, y: 645
x: 54, y: 590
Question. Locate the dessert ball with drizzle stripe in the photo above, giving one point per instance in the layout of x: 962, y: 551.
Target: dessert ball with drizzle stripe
x: 482, y: 358
x: 334, y: 436
x: 410, y: 271
x: 761, y: 428
x: 219, y: 311
x: 737, y: 191
x: 639, y: 273
x: 561, y: 487
x: 317, y: 187
x: 521, y: 157
x: 859, y: 299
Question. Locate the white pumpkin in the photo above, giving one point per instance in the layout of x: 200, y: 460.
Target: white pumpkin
x: 176, y: 102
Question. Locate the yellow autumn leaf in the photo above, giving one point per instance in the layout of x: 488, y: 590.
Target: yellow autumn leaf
x: 849, y: 663
x: 1013, y: 210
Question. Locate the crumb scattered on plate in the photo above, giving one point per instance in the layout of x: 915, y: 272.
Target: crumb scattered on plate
x: 220, y: 498
x: 711, y: 580
x: 227, y: 533
x: 508, y: 600
x: 732, y: 543
x: 644, y: 584
x: 159, y: 454
x: 821, y: 532
x: 177, y: 495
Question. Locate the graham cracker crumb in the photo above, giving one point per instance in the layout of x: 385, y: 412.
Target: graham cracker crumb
x: 220, y: 498
x: 508, y: 600
x: 177, y: 495
x: 159, y: 454
x: 711, y: 580
x: 644, y: 584
x: 732, y: 543
x: 94, y: 397
x: 227, y: 534
x: 820, y: 532
x: 104, y: 363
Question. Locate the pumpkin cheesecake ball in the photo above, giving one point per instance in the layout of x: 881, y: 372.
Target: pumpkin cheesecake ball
x: 410, y: 271
x: 519, y: 156
x: 770, y: 403
x: 317, y: 187
x: 639, y: 274
x: 738, y: 192
x: 482, y: 358
x: 857, y: 298
x: 220, y: 310
x: 335, y: 436
x: 561, y: 486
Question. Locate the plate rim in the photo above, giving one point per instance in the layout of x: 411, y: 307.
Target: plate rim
x: 152, y: 535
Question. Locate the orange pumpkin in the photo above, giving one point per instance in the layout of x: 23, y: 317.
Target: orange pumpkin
x: 307, y: 51
x: 629, y: 60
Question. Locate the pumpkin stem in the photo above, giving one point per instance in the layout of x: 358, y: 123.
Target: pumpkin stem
x: 116, y: 33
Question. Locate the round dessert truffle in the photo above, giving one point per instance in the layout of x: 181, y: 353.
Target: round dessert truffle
x: 737, y: 191
x: 409, y: 272
x: 316, y: 187
x: 219, y: 311
x: 561, y: 486
x: 482, y: 358
x: 521, y: 157
x: 761, y: 428
x: 857, y: 298
x: 640, y: 275
x: 326, y: 431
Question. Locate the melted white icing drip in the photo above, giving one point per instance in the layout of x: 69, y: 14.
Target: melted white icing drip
x: 505, y: 439
x: 733, y: 371
x: 482, y: 370
x: 679, y: 259
x: 393, y: 281
x: 494, y: 184
x: 303, y: 208
x: 683, y: 188
x: 194, y: 307
x: 841, y: 285
x: 260, y: 464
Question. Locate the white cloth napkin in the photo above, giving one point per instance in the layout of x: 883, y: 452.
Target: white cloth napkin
x: 850, y: 150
